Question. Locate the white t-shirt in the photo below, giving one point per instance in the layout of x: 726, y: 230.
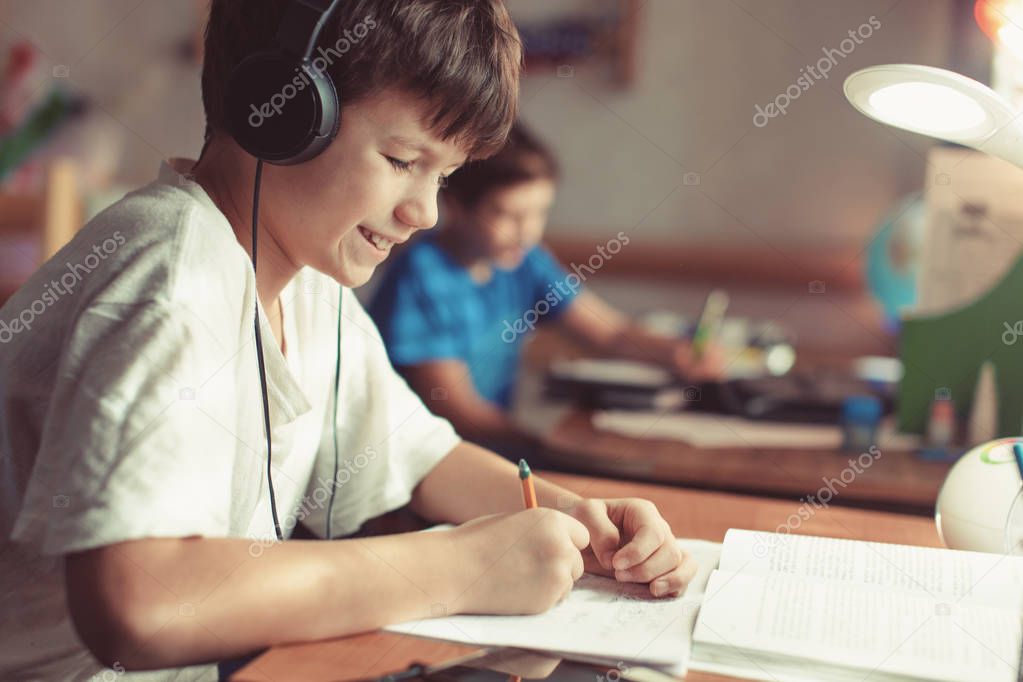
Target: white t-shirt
x: 130, y: 407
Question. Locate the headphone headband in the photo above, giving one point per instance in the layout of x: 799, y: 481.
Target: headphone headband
x: 302, y: 25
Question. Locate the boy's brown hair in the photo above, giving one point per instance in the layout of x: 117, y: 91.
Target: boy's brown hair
x: 522, y: 159
x: 461, y: 57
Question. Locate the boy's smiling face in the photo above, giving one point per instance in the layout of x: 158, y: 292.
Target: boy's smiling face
x: 374, y: 186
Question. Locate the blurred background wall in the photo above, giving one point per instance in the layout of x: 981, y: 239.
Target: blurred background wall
x: 817, y: 177
x: 669, y: 152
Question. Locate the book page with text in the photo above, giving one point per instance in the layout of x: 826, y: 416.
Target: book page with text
x: 991, y: 579
x: 864, y: 627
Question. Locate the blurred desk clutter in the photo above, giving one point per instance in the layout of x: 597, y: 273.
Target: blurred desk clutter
x: 709, y: 431
x: 783, y: 433
x: 810, y: 397
x: 753, y: 348
x: 949, y: 397
x: 809, y: 466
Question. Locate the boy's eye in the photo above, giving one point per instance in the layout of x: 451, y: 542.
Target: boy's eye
x: 403, y: 166
x: 406, y: 167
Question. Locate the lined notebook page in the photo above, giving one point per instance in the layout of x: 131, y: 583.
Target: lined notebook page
x: 992, y: 579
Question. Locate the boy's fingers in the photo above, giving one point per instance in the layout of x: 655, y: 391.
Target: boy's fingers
x: 578, y: 567
x: 675, y: 582
x: 644, y: 543
x: 604, y: 534
x: 667, y: 558
x: 578, y: 533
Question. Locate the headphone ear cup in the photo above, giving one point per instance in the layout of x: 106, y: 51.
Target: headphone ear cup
x: 280, y: 110
x: 331, y: 101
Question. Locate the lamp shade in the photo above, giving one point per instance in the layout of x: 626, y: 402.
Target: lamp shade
x: 939, y: 103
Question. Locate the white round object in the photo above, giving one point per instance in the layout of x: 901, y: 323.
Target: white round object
x: 973, y: 506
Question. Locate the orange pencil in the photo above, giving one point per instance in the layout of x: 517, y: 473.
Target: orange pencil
x: 529, y: 499
x: 528, y: 491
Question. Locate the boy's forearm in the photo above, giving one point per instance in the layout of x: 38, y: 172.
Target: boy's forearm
x: 635, y: 343
x: 472, y: 481
x: 477, y: 420
x: 606, y: 330
x: 133, y: 605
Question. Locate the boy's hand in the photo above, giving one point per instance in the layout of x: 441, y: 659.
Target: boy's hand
x: 631, y: 542
x: 710, y: 365
x: 522, y: 562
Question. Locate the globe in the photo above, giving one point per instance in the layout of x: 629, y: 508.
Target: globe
x: 893, y: 258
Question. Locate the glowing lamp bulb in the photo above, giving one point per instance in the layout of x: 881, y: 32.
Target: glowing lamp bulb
x: 937, y: 108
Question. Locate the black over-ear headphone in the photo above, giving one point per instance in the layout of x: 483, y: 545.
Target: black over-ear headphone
x: 279, y: 107
x: 284, y: 111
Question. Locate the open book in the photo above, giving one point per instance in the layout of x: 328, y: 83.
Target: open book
x: 797, y: 608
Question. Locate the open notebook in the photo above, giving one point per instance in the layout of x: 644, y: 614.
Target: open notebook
x: 797, y: 608
x: 601, y: 621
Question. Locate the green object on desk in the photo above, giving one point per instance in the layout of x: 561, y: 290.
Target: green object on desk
x: 710, y: 322
x: 946, y: 352
x: 33, y: 132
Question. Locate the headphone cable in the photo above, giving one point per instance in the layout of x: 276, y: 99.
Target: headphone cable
x: 333, y: 416
x: 262, y: 375
x: 259, y: 350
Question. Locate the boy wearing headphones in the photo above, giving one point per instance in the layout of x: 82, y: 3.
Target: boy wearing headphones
x: 191, y: 377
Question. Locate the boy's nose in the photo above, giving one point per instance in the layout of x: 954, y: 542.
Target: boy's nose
x: 419, y: 212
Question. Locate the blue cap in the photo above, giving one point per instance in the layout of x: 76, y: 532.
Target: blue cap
x: 864, y: 409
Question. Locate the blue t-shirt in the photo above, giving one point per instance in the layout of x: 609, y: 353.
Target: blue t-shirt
x: 429, y: 308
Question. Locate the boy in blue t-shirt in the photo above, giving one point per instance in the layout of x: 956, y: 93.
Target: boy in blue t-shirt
x: 455, y: 308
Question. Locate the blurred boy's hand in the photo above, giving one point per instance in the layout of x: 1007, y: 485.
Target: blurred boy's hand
x: 709, y: 367
x: 631, y: 542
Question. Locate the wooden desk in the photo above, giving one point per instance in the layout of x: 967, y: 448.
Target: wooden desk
x: 691, y: 513
x: 897, y: 481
